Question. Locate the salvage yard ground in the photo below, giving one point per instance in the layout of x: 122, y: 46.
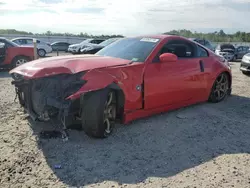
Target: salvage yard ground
x: 205, y: 145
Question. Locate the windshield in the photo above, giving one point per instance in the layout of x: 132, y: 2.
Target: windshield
x: 108, y: 41
x: 12, y: 43
x: 134, y: 49
x: 85, y: 41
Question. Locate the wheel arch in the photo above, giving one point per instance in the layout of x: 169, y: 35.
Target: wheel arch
x: 228, y: 75
x: 119, y: 95
x: 18, y: 56
x: 120, y: 99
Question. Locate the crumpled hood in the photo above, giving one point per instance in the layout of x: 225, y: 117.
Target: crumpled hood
x: 66, y: 64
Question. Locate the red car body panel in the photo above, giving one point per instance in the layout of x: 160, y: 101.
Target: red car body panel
x: 166, y: 86
x: 13, y: 52
x: 66, y: 64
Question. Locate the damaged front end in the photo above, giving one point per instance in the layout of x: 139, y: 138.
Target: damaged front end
x: 45, y: 98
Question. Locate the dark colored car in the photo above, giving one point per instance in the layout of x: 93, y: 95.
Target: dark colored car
x: 129, y: 79
x: 204, y: 42
x: 13, y: 55
x: 60, y: 46
x: 226, y: 50
x: 240, y: 51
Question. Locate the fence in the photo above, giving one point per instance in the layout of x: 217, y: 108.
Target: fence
x: 49, y: 39
x: 73, y: 40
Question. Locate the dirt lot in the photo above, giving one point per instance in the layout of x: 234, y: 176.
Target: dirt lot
x: 206, y: 145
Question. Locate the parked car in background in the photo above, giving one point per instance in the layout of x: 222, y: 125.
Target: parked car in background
x: 204, y: 42
x: 42, y: 47
x: 122, y: 82
x: 226, y: 50
x: 75, y: 48
x: 13, y: 55
x: 240, y: 51
x: 245, y: 64
x: 60, y: 46
x: 93, y: 48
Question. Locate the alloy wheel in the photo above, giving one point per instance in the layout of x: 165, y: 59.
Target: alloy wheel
x: 41, y: 53
x: 109, y: 114
x: 20, y: 62
x: 221, y: 87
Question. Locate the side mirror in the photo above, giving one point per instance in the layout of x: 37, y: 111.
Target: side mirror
x: 168, y: 57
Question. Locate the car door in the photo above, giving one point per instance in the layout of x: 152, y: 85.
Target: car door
x: 2, y: 52
x: 245, y: 50
x: 174, y: 83
x: 240, y: 52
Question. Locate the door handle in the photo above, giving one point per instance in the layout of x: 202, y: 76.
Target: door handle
x: 201, y: 66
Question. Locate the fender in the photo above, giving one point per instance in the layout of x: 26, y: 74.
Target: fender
x: 95, y: 80
x: 100, y: 79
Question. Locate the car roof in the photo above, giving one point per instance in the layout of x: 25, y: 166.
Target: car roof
x: 59, y: 42
x: 161, y: 37
x: 22, y: 38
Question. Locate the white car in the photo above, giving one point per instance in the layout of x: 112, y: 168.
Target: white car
x: 245, y: 64
x: 75, y: 48
x: 93, y: 48
x: 42, y: 47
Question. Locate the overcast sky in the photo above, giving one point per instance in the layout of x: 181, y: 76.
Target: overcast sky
x: 127, y: 17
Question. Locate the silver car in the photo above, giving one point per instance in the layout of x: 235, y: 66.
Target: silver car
x: 245, y: 64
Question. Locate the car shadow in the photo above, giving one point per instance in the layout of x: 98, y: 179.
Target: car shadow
x: 4, y: 73
x: 160, y: 146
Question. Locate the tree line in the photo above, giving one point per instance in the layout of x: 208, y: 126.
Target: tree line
x: 50, y: 33
x: 217, y: 36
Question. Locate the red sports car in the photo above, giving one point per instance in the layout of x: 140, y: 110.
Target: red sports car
x: 127, y: 80
x: 12, y: 55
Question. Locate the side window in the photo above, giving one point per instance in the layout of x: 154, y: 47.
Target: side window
x: 16, y: 41
x: 99, y: 41
x: 29, y: 41
x: 246, y: 49
x: 22, y: 41
x: 92, y: 41
x: 239, y: 49
x: 38, y: 41
x: 181, y: 48
x: 202, y: 52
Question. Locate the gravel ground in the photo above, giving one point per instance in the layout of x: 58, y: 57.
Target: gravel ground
x: 205, y: 145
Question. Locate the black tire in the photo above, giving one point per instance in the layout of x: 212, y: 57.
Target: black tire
x: 214, y: 94
x: 14, y: 62
x: 235, y: 58
x: 93, y: 114
x: 41, y: 52
x: 246, y: 73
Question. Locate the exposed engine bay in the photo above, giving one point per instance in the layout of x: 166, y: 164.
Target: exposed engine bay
x: 45, y: 98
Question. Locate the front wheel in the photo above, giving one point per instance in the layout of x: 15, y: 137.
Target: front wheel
x: 220, y: 88
x: 234, y: 58
x: 99, y: 113
x: 246, y: 72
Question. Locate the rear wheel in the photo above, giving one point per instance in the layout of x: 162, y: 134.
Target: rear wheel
x: 41, y: 52
x: 17, y: 61
x: 99, y: 113
x: 220, y: 88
